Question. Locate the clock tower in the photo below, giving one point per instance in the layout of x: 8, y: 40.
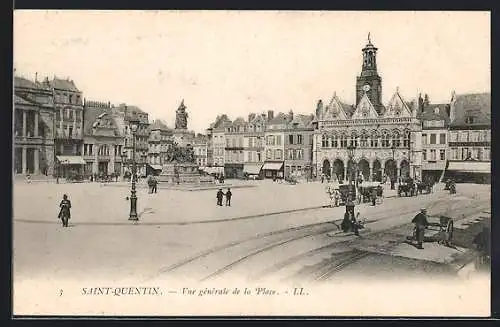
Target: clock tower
x: 369, y: 81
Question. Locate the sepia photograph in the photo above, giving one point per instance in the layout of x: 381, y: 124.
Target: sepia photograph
x: 251, y: 163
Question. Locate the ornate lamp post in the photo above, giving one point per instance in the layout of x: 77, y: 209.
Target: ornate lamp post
x: 350, y: 152
x: 134, y: 125
x: 393, y: 148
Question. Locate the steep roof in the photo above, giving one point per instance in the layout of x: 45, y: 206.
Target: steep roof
x: 24, y: 82
x: 19, y: 100
x: 99, y: 122
x: 159, y: 125
x: 302, y: 121
x: 438, y: 111
x: 64, y: 84
x: 280, y: 118
x: 239, y: 121
x: 477, y: 105
x: 221, y: 121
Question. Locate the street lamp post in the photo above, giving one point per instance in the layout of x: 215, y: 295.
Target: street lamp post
x: 350, y: 152
x: 393, y: 148
x: 134, y: 124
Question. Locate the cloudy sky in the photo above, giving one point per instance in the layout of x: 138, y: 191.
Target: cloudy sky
x: 238, y: 62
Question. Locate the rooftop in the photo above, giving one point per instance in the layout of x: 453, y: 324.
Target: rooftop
x: 475, y: 105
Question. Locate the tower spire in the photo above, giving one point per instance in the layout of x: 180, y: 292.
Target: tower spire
x: 369, y: 41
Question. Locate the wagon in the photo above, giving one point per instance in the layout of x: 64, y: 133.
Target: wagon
x: 408, y: 189
x: 366, y: 189
x: 441, y: 224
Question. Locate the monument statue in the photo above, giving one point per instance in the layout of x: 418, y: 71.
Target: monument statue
x: 179, y: 154
x: 181, y: 117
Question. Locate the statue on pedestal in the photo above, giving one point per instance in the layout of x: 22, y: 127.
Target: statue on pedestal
x: 180, y: 154
x: 181, y: 117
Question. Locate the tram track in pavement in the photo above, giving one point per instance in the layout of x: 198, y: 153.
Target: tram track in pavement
x: 284, y: 238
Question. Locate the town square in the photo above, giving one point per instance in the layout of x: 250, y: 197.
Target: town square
x: 304, y: 186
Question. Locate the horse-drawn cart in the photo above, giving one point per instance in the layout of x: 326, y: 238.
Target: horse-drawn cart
x: 366, y: 191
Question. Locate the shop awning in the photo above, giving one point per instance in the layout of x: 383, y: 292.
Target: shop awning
x: 470, y: 167
x: 272, y: 166
x: 252, y: 169
x: 156, y: 167
x: 70, y: 160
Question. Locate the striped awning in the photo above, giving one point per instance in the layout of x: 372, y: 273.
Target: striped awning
x: 156, y: 167
x: 272, y: 166
x: 252, y: 169
x: 70, y: 160
x: 470, y: 167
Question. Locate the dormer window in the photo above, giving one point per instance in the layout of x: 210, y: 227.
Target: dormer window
x: 436, y: 111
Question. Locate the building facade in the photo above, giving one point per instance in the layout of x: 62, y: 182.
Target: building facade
x: 160, y: 141
x: 435, y: 122
x: 103, y: 143
x: 298, y: 146
x: 275, y: 145
x: 368, y: 139
x: 200, y: 149
x: 68, y: 105
x: 216, y: 134
x: 469, y: 138
x: 123, y: 114
x: 33, y: 128
x: 234, y: 151
x: 254, y: 144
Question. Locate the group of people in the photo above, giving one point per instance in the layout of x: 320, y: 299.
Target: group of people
x: 220, y: 197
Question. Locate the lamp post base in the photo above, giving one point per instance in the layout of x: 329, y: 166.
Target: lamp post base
x: 133, y: 208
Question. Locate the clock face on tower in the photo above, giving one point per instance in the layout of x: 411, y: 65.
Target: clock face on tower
x: 366, y: 88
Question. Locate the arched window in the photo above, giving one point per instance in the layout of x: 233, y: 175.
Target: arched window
x: 334, y: 140
x: 406, y: 139
x: 363, y: 139
x: 323, y: 141
x: 385, y: 139
x: 343, y: 140
x: 374, y: 139
x: 354, y: 139
x: 396, y: 141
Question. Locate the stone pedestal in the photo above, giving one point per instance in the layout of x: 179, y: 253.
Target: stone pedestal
x: 182, y: 173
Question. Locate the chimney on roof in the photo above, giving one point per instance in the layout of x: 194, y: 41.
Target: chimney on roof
x: 290, y: 115
x: 270, y: 114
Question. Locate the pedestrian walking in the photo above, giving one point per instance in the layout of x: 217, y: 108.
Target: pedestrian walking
x: 374, y: 196
x: 65, y: 210
x: 155, y: 185
x: 421, y: 223
x: 220, y: 196
x: 228, y: 197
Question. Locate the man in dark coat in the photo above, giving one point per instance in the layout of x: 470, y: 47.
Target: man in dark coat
x: 374, y: 196
x: 420, y: 221
x: 228, y: 197
x: 155, y: 185
x: 483, y: 243
x: 220, y: 195
x: 65, y: 206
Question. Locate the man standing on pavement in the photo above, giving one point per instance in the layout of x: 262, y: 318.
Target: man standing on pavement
x: 421, y: 223
x: 220, y: 195
x: 228, y: 197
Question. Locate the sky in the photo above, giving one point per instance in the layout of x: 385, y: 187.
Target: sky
x: 238, y: 62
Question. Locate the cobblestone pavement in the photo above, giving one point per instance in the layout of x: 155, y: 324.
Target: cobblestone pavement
x: 175, y: 225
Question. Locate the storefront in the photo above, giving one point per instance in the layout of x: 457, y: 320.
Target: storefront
x: 273, y: 169
x: 70, y: 166
x: 233, y: 170
x: 478, y: 172
x: 154, y: 170
x: 253, y: 169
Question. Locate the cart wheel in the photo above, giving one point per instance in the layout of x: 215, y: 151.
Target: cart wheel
x: 449, y: 230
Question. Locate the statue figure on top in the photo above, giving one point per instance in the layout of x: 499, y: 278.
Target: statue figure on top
x: 181, y: 117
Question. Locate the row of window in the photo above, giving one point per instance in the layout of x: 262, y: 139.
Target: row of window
x: 295, y: 139
x: 69, y: 132
x: 432, y: 138
x: 234, y: 156
x: 159, y: 147
x: 274, y: 155
x: 434, y: 123
x: 295, y: 154
x: 233, y: 142
x: 254, y: 156
x: 273, y: 140
x: 245, y: 128
x: 69, y: 114
x: 102, y: 149
x: 385, y: 141
x: 431, y: 155
x: 470, y: 136
x: 68, y: 98
x: 255, y: 142
x: 463, y: 153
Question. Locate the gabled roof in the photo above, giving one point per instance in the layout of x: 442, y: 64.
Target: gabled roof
x: 397, y: 107
x: 19, y: 100
x: 336, y: 109
x: 239, y: 121
x: 159, y: 125
x: 365, y: 109
x: 429, y: 113
x: 64, y: 84
x: 477, y: 105
x: 280, y: 118
x: 301, y: 121
x: 99, y: 122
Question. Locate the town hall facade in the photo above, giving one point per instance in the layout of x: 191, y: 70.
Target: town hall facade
x: 375, y: 140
